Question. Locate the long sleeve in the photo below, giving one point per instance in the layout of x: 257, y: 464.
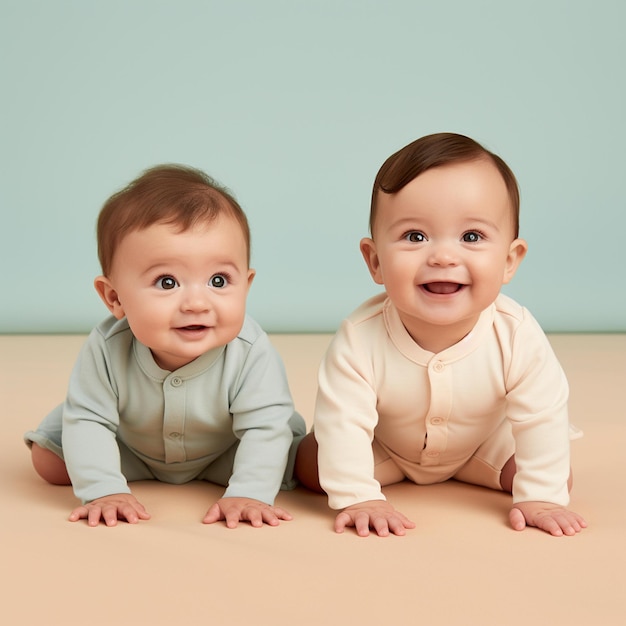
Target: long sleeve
x: 90, y: 422
x: 262, y: 410
x: 537, y: 395
x: 345, y: 419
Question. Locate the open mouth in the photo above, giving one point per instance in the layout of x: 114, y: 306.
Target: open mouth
x: 441, y: 288
x: 193, y: 328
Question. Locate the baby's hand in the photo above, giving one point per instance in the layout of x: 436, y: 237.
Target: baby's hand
x: 378, y: 515
x: 234, y: 510
x: 111, y: 508
x: 552, y: 518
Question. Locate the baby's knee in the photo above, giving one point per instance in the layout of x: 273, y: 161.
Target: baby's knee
x: 508, y: 474
x: 305, y: 468
x: 49, y: 466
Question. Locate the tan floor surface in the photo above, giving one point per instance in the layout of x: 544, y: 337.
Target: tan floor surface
x: 461, y: 565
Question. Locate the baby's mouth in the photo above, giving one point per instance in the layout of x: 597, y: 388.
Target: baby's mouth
x: 193, y: 327
x: 441, y: 288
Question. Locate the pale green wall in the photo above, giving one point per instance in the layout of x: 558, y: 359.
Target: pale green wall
x: 295, y: 105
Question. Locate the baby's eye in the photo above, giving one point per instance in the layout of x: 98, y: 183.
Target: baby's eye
x: 219, y: 281
x: 473, y: 236
x: 415, y: 236
x: 166, y: 282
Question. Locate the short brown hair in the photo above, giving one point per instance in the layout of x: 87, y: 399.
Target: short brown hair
x: 164, y: 194
x: 434, y: 151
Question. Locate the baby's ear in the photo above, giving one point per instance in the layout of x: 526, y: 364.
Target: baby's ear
x: 251, y: 275
x: 107, y: 293
x: 368, y: 250
x: 517, y: 252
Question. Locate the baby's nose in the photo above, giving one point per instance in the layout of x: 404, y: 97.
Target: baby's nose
x: 196, y: 299
x: 443, y: 255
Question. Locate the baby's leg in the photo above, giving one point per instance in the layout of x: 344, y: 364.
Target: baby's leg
x: 508, y: 473
x: 386, y: 471
x: 493, y: 464
x: 305, y: 468
x: 49, y: 466
x: 46, y: 450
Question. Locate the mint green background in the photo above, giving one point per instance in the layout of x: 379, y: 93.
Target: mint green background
x: 295, y: 105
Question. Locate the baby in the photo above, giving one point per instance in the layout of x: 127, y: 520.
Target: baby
x: 441, y: 376
x: 178, y: 384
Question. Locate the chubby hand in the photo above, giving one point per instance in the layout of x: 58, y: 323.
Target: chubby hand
x: 234, y: 510
x: 378, y: 515
x: 552, y: 518
x: 110, y: 509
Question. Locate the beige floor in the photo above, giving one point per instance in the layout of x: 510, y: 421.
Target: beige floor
x: 462, y: 565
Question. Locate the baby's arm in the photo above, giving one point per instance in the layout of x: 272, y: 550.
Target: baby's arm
x: 378, y: 515
x: 110, y: 509
x: 265, y: 422
x: 345, y: 420
x: 537, y: 406
x: 552, y: 518
x: 92, y: 456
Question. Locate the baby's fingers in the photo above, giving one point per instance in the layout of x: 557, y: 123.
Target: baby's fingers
x: 399, y: 523
x: 342, y: 521
x: 362, y: 522
x: 281, y: 513
x: 214, y: 514
x: 550, y: 525
x: 79, y: 513
x: 261, y: 514
x: 235, y: 510
x: 258, y: 516
x: 563, y: 523
x: 517, y: 519
x: 378, y: 516
x: 273, y: 515
x: 91, y: 513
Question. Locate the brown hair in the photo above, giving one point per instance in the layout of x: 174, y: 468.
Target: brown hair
x: 164, y: 194
x: 434, y: 151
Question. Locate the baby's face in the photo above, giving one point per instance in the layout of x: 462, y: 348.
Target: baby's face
x: 443, y: 246
x: 183, y: 293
